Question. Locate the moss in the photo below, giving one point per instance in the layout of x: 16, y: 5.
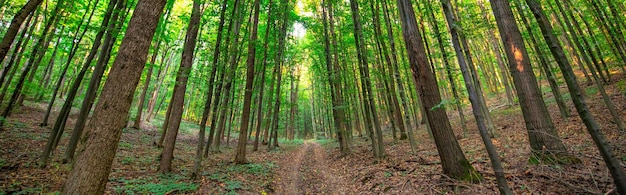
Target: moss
x: 553, y: 159
x: 470, y: 174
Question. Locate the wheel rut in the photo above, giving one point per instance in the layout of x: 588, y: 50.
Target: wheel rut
x: 306, y: 171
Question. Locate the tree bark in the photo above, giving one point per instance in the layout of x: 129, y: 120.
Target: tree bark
x: 612, y: 162
x: 178, y: 96
x: 452, y: 158
x: 544, y: 141
x: 14, y: 27
x: 240, y: 156
x: 93, y: 165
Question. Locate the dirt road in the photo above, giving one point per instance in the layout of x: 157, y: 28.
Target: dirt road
x: 306, y: 171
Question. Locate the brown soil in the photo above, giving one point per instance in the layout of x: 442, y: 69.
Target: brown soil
x: 306, y: 171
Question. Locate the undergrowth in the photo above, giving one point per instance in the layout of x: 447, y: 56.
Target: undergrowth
x: 159, y: 184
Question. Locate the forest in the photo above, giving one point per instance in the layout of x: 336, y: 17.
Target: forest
x: 312, y: 97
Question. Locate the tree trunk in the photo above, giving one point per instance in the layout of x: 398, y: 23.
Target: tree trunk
x: 14, y: 27
x: 453, y: 160
x: 59, y: 125
x: 366, y: 81
x: 178, y: 96
x: 612, y: 162
x: 560, y: 102
x: 544, y: 140
x: 240, y: 156
x: 93, y: 165
x: 96, y: 77
x: 503, y: 187
x: 209, y: 94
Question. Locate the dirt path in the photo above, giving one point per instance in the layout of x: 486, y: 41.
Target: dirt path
x: 306, y: 171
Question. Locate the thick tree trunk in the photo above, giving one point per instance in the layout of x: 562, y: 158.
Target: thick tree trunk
x: 59, y: 124
x: 542, y: 135
x: 92, y: 168
x: 96, y: 77
x: 452, y: 158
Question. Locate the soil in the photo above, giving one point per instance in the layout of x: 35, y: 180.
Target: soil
x: 317, y: 167
x: 305, y: 171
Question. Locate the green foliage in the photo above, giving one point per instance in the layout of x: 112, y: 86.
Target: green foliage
x: 444, y: 103
x: 259, y: 169
x: 591, y: 90
x: 291, y: 142
x: 233, y: 185
x: 324, y: 141
x: 125, y: 145
x: 147, y: 185
x: 621, y: 85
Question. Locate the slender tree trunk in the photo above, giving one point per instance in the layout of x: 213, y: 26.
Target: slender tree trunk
x: 146, y: 85
x: 14, y: 27
x: 259, y: 113
x: 503, y: 187
x: 209, y: 94
x: 615, y: 168
x: 18, y: 50
x: 366, y: 80
x: 178, y: 96
x: 240, y: 156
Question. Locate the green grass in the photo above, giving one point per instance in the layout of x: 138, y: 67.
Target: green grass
x: 290, y: 142
x: 591, y: 90
x: 324, y: 141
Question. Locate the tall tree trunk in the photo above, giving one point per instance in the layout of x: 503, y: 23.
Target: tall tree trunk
x: 366, y: 81
x: 453, y: 160
x: 59, y: 125
x: 615, y: 168
x: 560, y: 102
x: 237, y: 18
x: 18, y: 50
x: 93, y: 165
x: 96, y: 77
x: 544, y: 140
x: 178, y: 96
x: 333, y: 82
x: 209, y: 94
x: 259, y: 113
x: 503, y: 187
x: 493, y: 41
x: 448, y: 67
x: 240, y: 156
x: 14, y: 27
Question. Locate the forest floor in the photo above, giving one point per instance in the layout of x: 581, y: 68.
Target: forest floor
x: 316, y: 166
